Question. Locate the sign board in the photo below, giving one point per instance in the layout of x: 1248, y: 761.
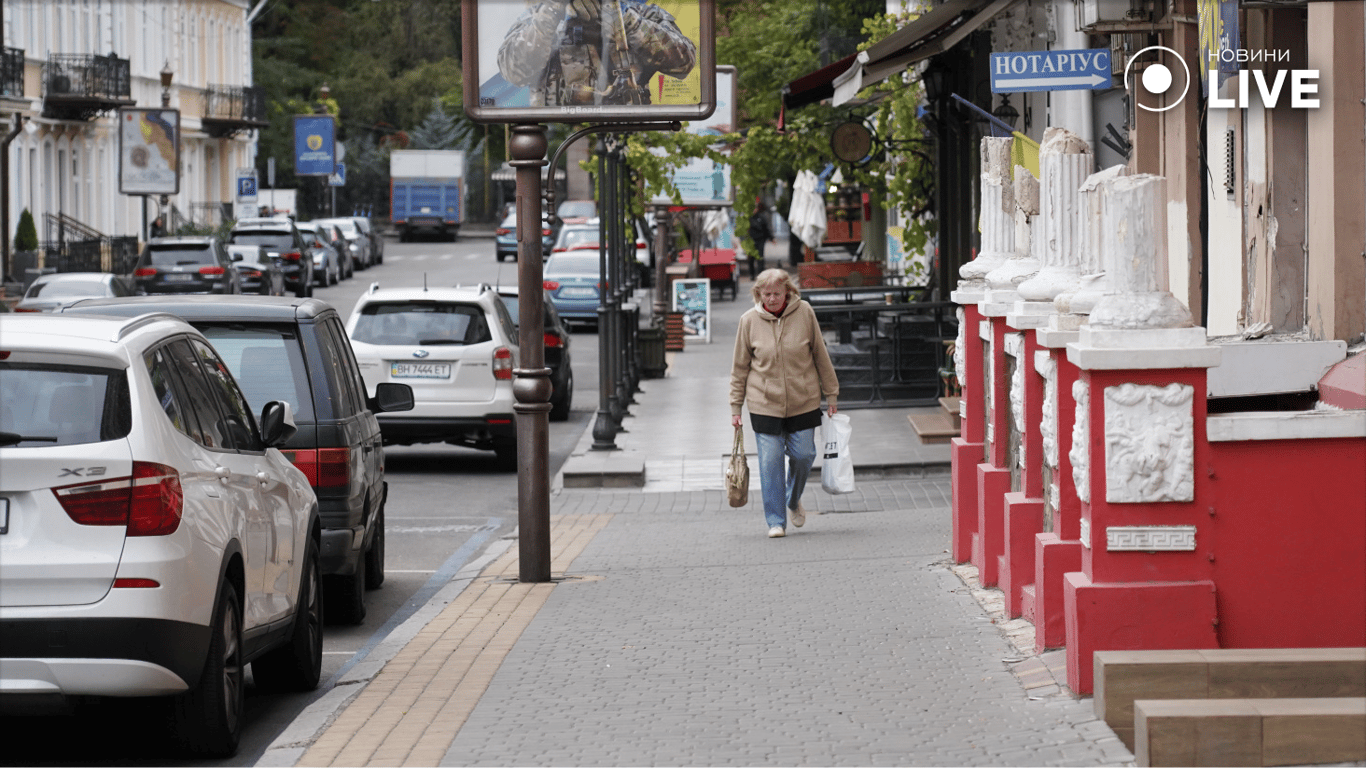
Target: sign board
x: 1073, y: 70
x: 338, y: 179
x: 149, y: 151
x: 315, y: 138
x: 246, y: 201
x: 693, y: 299
x: 701, y: 182
x: 589, y: 61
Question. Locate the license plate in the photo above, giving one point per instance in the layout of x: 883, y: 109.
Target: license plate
x: 4, y: 516
x: 420, y: 370
x: 577, y: 293
x: 178, y: 278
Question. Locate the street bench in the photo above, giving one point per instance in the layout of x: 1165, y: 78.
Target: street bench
x: 1123, y: 677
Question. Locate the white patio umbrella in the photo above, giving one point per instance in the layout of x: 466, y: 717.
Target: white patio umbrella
x: 807, y: 215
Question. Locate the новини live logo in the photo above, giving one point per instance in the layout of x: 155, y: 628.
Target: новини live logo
x: 1157, y: 79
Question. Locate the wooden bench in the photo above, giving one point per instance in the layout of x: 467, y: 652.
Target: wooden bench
x: 1122, y: 677
x: 1249, y: 731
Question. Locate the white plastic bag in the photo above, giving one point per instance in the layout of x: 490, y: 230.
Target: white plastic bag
x: 837, y: 466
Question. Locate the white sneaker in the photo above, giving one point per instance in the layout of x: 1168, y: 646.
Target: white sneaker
x: 776, y: 532
x: 798, y: 515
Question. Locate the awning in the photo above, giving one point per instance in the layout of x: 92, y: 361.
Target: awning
x: 813, y: 87
x: 935, y: 32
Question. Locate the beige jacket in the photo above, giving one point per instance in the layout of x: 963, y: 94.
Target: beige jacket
x: 781, y: 367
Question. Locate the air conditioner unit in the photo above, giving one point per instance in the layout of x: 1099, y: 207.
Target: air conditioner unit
x: 1095, y: 11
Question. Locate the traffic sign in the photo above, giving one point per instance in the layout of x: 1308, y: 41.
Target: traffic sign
x: 338, y: 179
x: 1072, y: 70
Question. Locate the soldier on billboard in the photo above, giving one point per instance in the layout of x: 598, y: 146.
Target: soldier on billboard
x: 593, y: 52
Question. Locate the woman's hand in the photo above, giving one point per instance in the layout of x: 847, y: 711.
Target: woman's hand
x: 834, y: 409
x: 735, y: 420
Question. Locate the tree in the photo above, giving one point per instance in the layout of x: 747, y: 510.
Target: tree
x: 440, y: 131
x: 26, y: 236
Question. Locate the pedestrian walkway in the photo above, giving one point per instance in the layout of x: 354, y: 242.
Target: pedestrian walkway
x: 677, y: 633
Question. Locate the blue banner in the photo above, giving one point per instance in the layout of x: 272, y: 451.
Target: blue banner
x: 1024, y: 71
x: 315, y: 145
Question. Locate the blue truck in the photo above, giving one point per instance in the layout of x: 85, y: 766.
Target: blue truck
x: 426, y: 192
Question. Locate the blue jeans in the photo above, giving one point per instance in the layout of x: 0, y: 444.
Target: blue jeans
x: 780, y: 492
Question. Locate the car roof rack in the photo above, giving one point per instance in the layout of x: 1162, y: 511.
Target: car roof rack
x: 140, y: 321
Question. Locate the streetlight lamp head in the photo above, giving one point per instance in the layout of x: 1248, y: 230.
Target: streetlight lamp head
x: 166, y: 75
x: 1006, y: 113
x: 324, y: 92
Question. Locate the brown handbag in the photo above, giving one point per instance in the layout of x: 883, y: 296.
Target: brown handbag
x: 737, y: 472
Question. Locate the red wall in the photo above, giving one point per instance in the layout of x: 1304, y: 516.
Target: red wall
x: 1288, y: 536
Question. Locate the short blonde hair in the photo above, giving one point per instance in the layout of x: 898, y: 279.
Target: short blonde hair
x: 775, y: 277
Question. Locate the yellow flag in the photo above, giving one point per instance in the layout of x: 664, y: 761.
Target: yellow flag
x: 1024, y: 151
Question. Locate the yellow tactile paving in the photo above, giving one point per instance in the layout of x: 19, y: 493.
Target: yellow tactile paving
x: 409, y: 714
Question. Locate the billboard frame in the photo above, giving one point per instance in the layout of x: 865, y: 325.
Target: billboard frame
x: 488, y: 113
x: 151, y: 187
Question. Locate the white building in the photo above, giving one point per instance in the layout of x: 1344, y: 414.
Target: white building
x: 69, y: 65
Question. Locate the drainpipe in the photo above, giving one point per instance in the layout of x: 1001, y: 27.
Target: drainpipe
x: 4, y: 197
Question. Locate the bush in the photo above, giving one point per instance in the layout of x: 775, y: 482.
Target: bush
x: 26, y: 237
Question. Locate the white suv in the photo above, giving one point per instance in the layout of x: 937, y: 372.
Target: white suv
x: 456, y: 347
x: 153, y: 539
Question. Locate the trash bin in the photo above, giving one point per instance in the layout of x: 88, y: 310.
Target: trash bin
x: 651, y: 341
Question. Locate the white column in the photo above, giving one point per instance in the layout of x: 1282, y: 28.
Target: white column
x: 997, y: 219
x: 1065, y: 161
x: 1094, y: 281
x: 1003, y: 281
x: 1134, y: 247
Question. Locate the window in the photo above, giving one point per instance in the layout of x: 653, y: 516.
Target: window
x: 425, y: 323
x: 239, y: 424
x: 50, y: 404
x: 199, y: 397
x: 340, y: 368
x: 163, y: 384
x: 267, y: 362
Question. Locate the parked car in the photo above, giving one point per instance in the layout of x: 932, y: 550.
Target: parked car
x: 333, y: 234
x: 283, y: 241
x: 576, y: 211
x: 154, y: 539
x: 557, y: 357
x: 457, y: 348
x: 327, y: 261
x: 356, y: 238
x: 48, y: 292
x: 258, y: 271
x: 572, y: 281
x: 577, y: 237
x: 505, y: 237
x: 185, y: 265
x: 296, y: 351
x: 376, y: 238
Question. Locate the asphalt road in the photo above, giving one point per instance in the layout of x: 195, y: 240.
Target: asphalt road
x: 446, y: 505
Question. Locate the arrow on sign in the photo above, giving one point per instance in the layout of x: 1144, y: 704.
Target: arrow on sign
x: 1044, y: 83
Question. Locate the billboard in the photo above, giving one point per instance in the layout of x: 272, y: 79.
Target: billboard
x: 149, y: 151
x: 701, y: 182
x: 315, y: 145
x: 586, y: 61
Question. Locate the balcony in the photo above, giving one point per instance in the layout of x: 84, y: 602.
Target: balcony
x: 231, y: 109
x: 12, y: 73
x: 81, y: 86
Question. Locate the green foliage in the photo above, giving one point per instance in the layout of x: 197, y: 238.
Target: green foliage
x: 26, y: 236
x: 440, y: 130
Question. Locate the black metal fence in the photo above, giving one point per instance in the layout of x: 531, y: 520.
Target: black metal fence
x: 12, y: 72
x: 116, y: 255
x: 87, y: 75
x: 235, y: 102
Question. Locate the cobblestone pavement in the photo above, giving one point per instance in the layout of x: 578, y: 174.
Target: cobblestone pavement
x: 687, y: 637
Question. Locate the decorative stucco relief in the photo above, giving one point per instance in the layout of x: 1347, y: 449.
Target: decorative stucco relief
x: 1084, y: 532
x: 1149, y: 443
x: 1014, y: 344
x: 1150, y: 538
x: 989, y: 364
x: 1048, y: 425
x: 960, y: 362
x: 1080, y: 455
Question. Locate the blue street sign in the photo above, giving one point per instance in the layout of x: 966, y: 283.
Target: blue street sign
x: 315, y: 139
x: 338, y: 179
x: 1021, y: 71
x: 246, y: 186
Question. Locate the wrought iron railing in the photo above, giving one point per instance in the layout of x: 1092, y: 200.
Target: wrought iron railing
x: 116, y: 255
x: 236, y: 102
x: 89, y: 75
x: 12, y: 72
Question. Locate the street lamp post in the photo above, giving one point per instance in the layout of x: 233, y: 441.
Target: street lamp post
x: 166, y: 76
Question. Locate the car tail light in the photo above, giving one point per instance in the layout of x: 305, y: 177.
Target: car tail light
x: 545, y: 233
x: 553, y: 340
x: 502, y: 231
x: 150, y: 501
x: 249, y: 272
x: 325, y: 467
x: 292, y: 256
x: 558, y: 249
x: 26, y: 309
x: 640, y: 244
x: 502, y: 363
x: 211, y: 270
x: 145, y: 272
x: 550, y: 285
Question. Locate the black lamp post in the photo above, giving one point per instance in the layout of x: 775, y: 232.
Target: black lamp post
x: 166, y: 77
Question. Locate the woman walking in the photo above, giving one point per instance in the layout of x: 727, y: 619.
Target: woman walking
x: 781, y: 368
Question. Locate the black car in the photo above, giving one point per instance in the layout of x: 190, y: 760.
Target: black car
x: 556, y: 353
x: 185, y: 265
x: 282, y: 240
x: 296, y: 350
x: 258, y: 271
